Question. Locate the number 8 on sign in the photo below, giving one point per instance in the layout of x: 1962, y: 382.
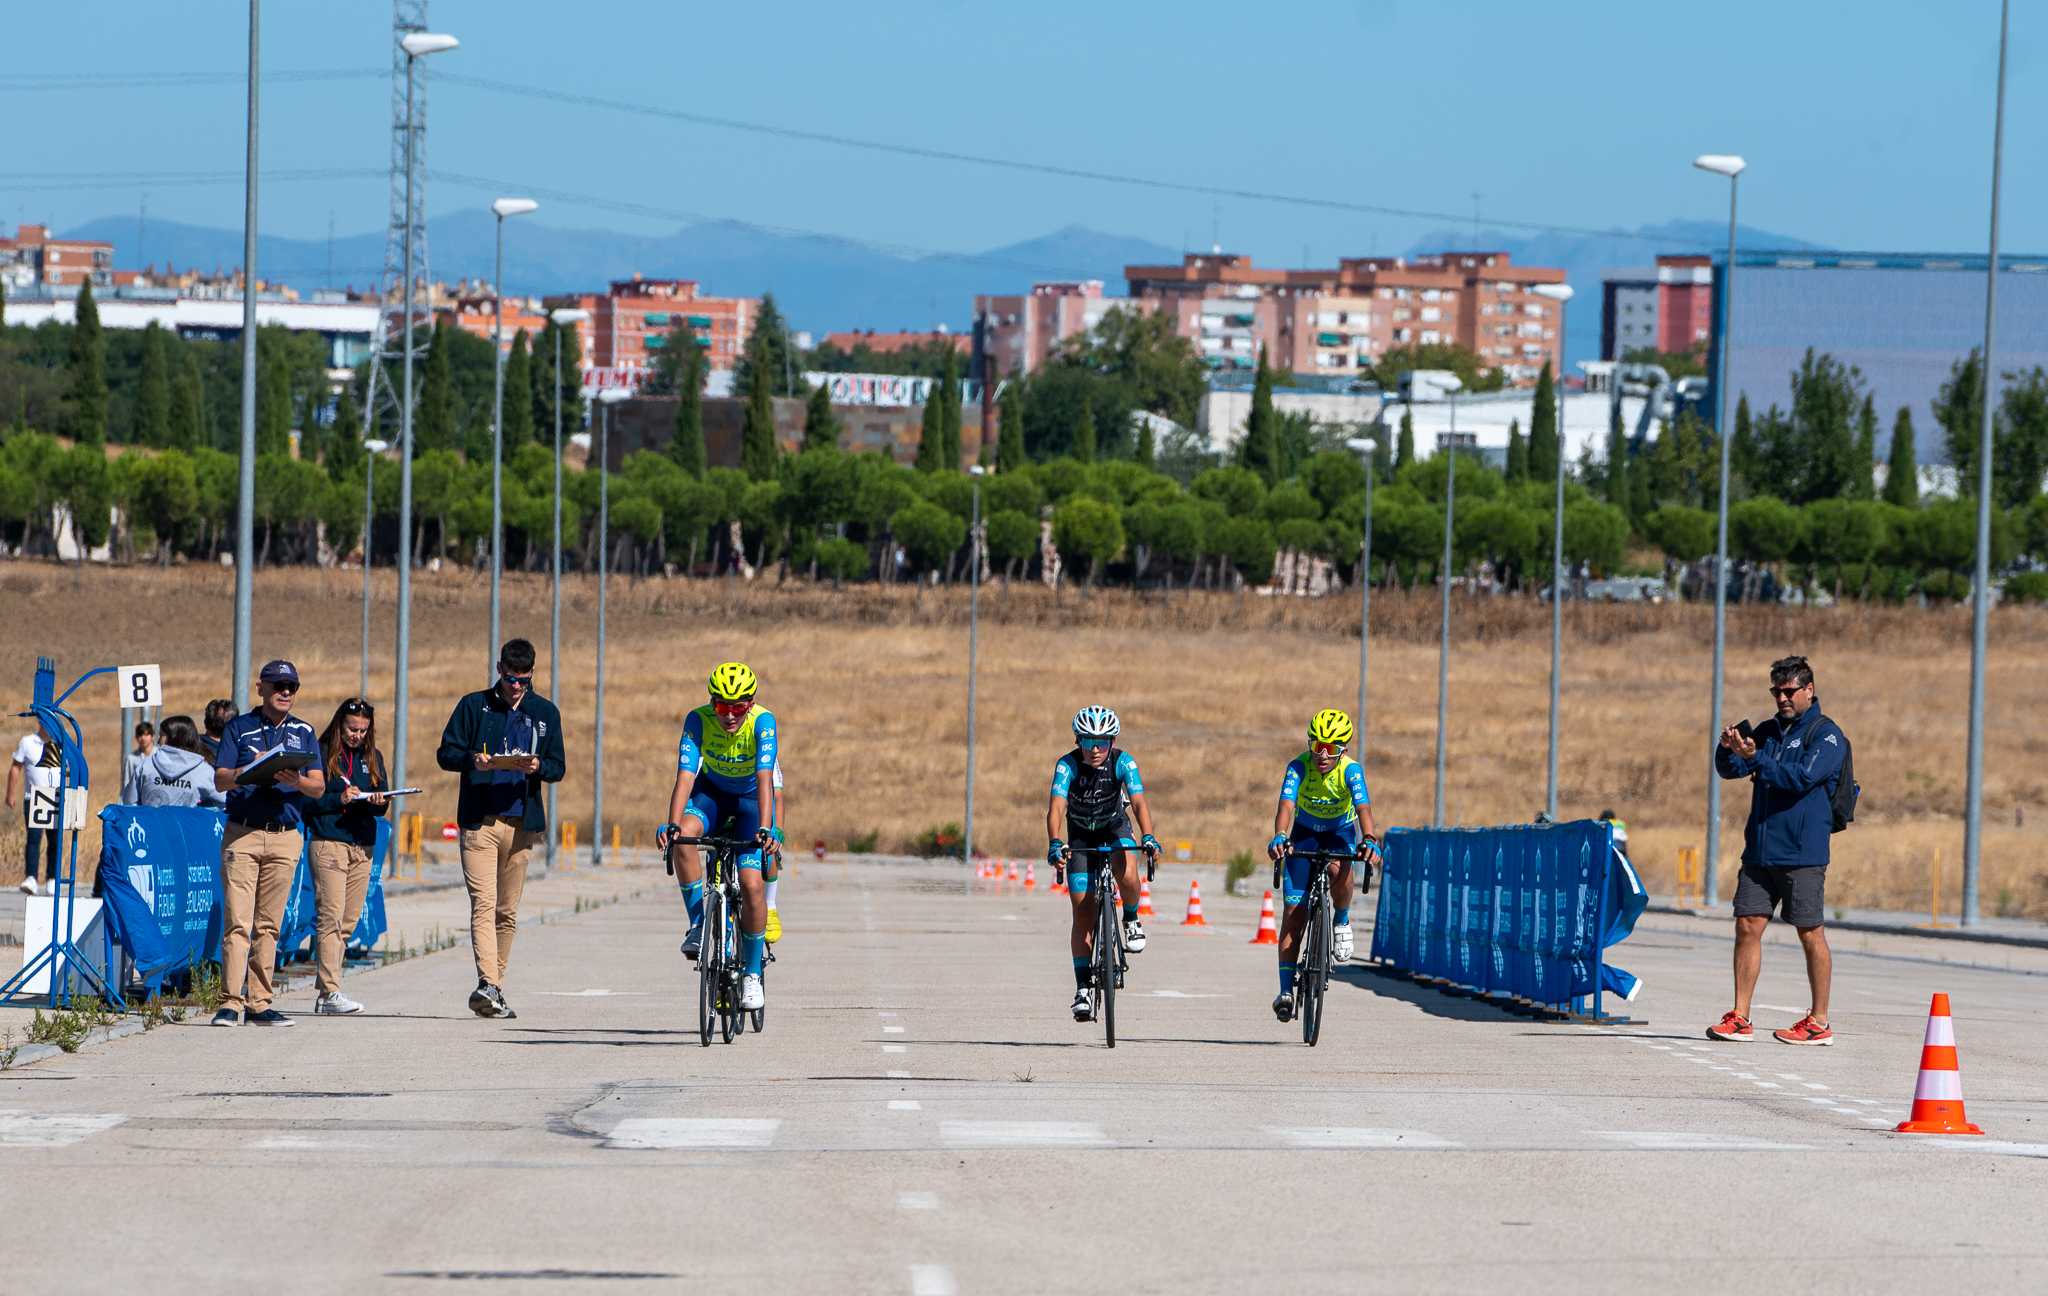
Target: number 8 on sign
x: 141, y: 686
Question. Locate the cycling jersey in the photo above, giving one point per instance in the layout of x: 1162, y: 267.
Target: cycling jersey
x: 1095, y: 796
x: 728, y: 761
x: 1325, y: 799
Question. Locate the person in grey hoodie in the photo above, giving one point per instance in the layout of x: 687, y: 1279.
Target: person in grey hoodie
x: 177, y: 772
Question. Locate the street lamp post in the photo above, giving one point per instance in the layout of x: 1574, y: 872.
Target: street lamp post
x: 1980, y: 603
x: 1732, y: 167
x: 607, y: 398
x: 561, y: 319
x: 417, y: 45
x: 1562, y: 295
x: 1443, y: 656
x: 245, y: 500
x: 502, y: 208
x: 1364, y: 448
x: 371, y: 449
x: 975, y: 474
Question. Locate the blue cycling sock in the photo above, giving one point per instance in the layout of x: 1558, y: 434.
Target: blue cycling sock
x: 1344, y: 917
x: 1080, y: 972
x: 753, y: 945
x: 693, y: 900
x: 1130, y: 911
x: 1287, y: 978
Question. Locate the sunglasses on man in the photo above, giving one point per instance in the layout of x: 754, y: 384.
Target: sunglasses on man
x: 510, y: 680
x: 1327, y: 749
x: 1785, y: 690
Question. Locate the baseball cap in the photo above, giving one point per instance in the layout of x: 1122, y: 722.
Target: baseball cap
x: 279, y: 672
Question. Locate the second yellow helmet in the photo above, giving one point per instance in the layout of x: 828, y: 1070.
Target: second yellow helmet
x: 1330, y: 726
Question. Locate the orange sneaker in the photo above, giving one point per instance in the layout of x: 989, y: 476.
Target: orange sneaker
x: 1806, y: 1031
x: 1732, y: 1027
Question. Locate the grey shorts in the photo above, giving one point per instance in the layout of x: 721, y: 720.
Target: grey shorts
x: 1796, y: 892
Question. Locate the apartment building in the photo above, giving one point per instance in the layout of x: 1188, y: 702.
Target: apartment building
x: 1667, y: 307
x: 1333, y: 322
x: 474, y: 310
x: 891, y: 343
x: 632, y: 319
x: 33, y: 259
x: 1016, y: 333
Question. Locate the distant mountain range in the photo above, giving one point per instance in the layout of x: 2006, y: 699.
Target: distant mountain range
x: 825, y: 283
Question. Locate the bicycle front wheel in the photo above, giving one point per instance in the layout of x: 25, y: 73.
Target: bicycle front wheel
x: 708, y: 969
x: 1315, y: 971
x: 1107, y: 941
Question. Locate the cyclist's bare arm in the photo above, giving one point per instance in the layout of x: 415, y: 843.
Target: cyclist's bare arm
x: 1283, y: 818
x: 1056, y: 818
x: 1142, y: 811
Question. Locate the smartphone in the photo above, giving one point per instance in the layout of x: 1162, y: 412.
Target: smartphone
x: 1743, y: 727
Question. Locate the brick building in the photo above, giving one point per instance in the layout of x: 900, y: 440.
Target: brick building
x: 632, y: 319
x: 475, y: 312
x: 1668, y: 307
x: 1333, y: 322
x: 33, y: 259
x: 1016, y: 333
x: 890, y: 343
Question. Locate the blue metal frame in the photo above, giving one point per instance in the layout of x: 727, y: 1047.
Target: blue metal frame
x: 62, y: 956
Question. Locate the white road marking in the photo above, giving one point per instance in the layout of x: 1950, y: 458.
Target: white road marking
x: 1780, y: 1008
x: 1765, y: 1084
x: 1810, y: 1084
x: 1745, y: 1075
x: 1787, y: 1075
x: 899, y: 1075
x: 676, y: 1132
x: 1988, y: 1145
x: 1180, y: 994
x: 1682, y: 1141
x: 895, y: 1048
x: 917, y: 1201
x: 1864, y: 1102
x: 1022, y: 1133
x: 1661, y: 1048
x: 892, y: 1030
x: 298, y: 1143
x: 25, y: 1129
x: 591, y: 994
x: 932, y: 1280
x: 905, y: 1104
x: 1343, y: 1136
x: 1845, y: 1111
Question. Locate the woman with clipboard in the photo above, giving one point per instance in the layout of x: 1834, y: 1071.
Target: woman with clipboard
x: 342, y: 826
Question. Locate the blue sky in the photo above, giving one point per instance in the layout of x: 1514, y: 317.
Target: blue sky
x: 1866, y: 126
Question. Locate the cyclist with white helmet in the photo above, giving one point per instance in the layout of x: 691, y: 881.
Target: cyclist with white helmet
x: 725, y: 767
x: 1090, y: 786
x: 1324, y: 805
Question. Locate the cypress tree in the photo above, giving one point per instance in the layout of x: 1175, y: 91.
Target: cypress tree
x: 345, y: 446
x: 758, y: 451
x: 1862, y: 482
x: 1084, y: 434
x: 821, y: 426
x: 1518, y: 453
x: 542, y: 398
x: 931, y: 436
x: 153, y: 389
x: 1406, y: 454
x: 949, y: 413
x: 182, y: 429
x: 686, y: 444
x: 1543, y: 445
x: 1743, y: 456
x: 434, y: 416
x: 273, y: 400
x: 1902, y: 470
x: 1147, y: 447
x: 518, y: 394
x: 1260, y: 451
x: 1618, y: 467
x: 86, y: 414
x: 1010, y: 436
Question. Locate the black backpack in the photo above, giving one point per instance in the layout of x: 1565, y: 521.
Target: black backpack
x: 1843, y: 803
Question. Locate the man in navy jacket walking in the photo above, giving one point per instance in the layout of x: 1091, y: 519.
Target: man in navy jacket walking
x: 1793, y: 762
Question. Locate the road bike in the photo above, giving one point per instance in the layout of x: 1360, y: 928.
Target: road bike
x: 719, y: 965
x: 1312, y: 958
x: 1106, y: 971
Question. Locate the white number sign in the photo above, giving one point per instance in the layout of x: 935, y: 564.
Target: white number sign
x: 42, y: 808
x: 142, y: 686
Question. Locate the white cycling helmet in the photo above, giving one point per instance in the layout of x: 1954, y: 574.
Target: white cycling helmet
x: 1096, y: 722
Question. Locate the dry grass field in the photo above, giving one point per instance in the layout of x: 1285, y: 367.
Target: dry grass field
x: 869, y: 688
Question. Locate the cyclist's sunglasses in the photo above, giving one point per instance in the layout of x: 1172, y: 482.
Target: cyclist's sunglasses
x: 358, y: 707
x: 1095, y: 744
x: 738, y: 708
x: 1328, y: 749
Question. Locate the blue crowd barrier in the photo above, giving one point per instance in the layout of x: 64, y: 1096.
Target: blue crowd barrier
x: 1523, y: 912
x: 160, y: 877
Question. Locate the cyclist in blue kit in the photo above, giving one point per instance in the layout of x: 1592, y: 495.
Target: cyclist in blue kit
x: 1090, y: 786
x: 725, y: 766
x: 1324, y: 805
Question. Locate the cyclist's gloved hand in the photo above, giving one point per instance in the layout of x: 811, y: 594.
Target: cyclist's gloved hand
x: 666, y: 831
x: 1056, y: 852
x: 1150, y: 844
x: 1278, y: 846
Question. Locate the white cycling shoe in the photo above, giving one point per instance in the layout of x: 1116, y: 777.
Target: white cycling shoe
x: 1134, y: 936
x: 1340, y: 943
x: 752, y: 997
x: 1084, y: 1006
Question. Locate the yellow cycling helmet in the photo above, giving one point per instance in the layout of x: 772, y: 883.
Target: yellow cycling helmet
x: 1330, y: 726
x: 733, y: 682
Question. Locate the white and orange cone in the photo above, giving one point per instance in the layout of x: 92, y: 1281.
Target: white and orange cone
x: 1013, y: 870
x: 1030, y: 875
x: 1269, y: 926
x: 1194, y: 918
x: 1145, y: 898
x: 1938, y: 1097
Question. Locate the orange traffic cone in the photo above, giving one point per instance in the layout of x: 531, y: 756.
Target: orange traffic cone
x: 1059, y: 885
x: 1031, y: 875
x: 1194, y: 918
x: 1013, y: 870
x: 1938, y: 1098
x: 1269, y: 927
x: 1145, y: 898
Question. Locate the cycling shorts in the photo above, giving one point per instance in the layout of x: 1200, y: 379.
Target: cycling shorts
x: 712, y: 805
x: 1080, y: 869
x: 1337, y: 837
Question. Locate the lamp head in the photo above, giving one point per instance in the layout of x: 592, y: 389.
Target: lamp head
x: 1727, y: 164
x: 421, y: 44
x: 376, y: 446
x: 1362, y: 445
x: 513, y: 207
x: 976, y: 470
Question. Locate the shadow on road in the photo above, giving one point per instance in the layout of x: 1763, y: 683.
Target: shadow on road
x: 1454, y: 1005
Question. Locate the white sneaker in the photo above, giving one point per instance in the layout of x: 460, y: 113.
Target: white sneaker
x: 336, y: 1004
x: 1340, y: 944
x: 752, y: 997
x: 1084, y: 1007
x: 1635, y: 992
x: 28, y: 886
x: 1134, y: 936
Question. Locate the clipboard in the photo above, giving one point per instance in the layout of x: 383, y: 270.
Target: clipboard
x: 508, y: 761
x: 265, y: 769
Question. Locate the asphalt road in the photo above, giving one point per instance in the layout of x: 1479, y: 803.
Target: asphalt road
x: 921, y: 1116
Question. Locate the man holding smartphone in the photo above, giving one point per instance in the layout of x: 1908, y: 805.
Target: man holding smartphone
x: 504, y: 741
x: 1793, y: 762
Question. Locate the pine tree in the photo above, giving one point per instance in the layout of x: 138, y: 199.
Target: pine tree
x: 949, y: 413
x: 182, y: 428
x: 273, y: 400
x: 434, y: 414
x: 931, y: 436
x: 1260, y: 450
x: 758, y: 451
x: 153, y: 389
x: 86, y: 413
x: 1543, y: 445
x: 1084, y: 434
x: 1518, y: 453
x: 686, y: 444
x: 1010, y: 436
x: 1406, y: 453
x: 518, y: 395
x: 770, y: 349
x: 1902, y: 470
x: 821, y: 425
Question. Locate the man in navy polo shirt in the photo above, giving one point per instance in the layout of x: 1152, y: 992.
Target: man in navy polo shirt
x: 260, y: 849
